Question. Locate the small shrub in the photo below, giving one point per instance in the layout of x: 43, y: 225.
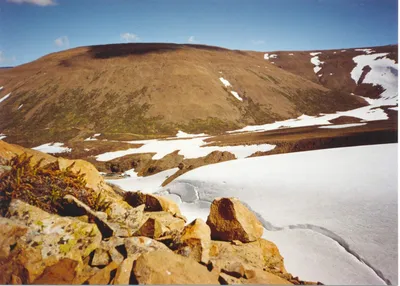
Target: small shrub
x: 41, y: 186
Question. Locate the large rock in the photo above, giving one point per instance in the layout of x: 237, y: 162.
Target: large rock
x: 166, y: 267
x: 157, y: 224
x: 261, y: 254
x: 75, y: 206
x: 103, y: 276
x: 230, y: 220
x: 93, y: 178
x: 123, y: 275
x: 135, y: 246
x: 50, y: 238
x: 125, y: 219
x: 10, y: 231
x: 119, y: 218
x: 153, y: 203
x: 195, y: 241
x: 63, y: 272
x: 108, y: 251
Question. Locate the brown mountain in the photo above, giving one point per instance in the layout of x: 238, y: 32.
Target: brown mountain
x: 148, y: 89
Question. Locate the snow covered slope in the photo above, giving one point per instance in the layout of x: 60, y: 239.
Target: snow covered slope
x: 332, y: 213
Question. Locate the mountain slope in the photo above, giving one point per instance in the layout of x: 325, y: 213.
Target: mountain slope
x: 154, y: 89
x: 334, y: 67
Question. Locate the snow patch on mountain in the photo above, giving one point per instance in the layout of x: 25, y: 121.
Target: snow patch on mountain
x: 316, y: 62
x: 5, y: 97
x: 343, y: 125
x: 384, y: 72
x: 225, y: 82
x: 52, y: 148
x: 236, y: 95
x: 189, y: 148
x: 148, y: 184
x: 270, y: 56
x: 93, y: 138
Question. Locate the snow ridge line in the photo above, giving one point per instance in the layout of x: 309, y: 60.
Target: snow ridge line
x: 269, y: 226
x: 326, y: 232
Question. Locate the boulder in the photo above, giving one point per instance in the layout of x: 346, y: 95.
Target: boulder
x: 63, y: 272
x: 260, y: 254
x: 226, y: 279
x: 153, y: 203
x: 50, y: 238
x: 264, y: 277
x: 167, y: 220
x: 195, y: 241
x: 107, y: 252
x: 103, y: 276
x: 166, y: 267
x: 74, y: 206
x: 135, y: 246
x: 124, y: 219
x: 93, y: 178
x: 10, y: 231
x: 85, y: 272
x: 151, y: 228
x: 100, y: 257
x: 123, y: 275
x: 119, y: 218
x: 230, y: 220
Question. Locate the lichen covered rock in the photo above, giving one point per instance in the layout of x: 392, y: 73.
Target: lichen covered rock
x: 230, y: 220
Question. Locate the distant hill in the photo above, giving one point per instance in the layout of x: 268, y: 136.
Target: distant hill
x: 156, y: 89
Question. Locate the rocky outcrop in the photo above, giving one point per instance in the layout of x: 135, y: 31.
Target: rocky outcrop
x: 230, y: 220
x: 141, y: 240
x: 195, y: 241
x: 153, y: 203
x: 166, y: 267
x: 48, y: 239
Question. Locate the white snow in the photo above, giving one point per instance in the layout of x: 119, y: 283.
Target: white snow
x: 1, y: 87
x: 383, y: 72
x: 52, y: 148
x: 343, y: 51
x: 236, y: 95
x: 316, y: 62
x: 331, y: 74
x: 291, y: 54
x: 149, y: 184
x: 326, y: 210
x: 319, y: 75
x: 343, y: 125
x: 2, y: 136
x: 367, y: 51
x: 182, y: 134
x: 5, y: 97
x: 394, y: 108
x: 334, y: 52
x: 268, y: 56
x: 273, y: 63
x: 225, y: 82
x: 189, y: 148
x: 19, y: 107
x: 93, y: 138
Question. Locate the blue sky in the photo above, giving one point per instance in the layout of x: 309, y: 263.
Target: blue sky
x: 30, y: 29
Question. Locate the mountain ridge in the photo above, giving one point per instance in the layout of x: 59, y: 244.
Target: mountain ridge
x: 157, y: 89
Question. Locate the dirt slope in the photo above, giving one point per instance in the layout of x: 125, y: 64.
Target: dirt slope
x: 154, y: 89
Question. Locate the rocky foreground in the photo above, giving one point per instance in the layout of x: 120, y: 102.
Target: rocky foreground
x: 61, y: 224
